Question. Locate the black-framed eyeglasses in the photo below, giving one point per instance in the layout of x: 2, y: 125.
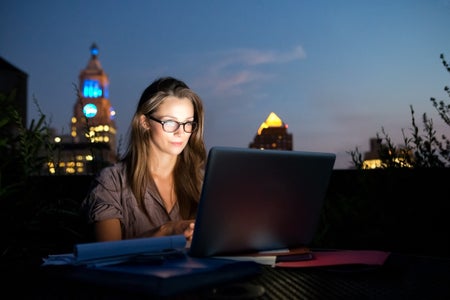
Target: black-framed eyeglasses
x: 172, y: 126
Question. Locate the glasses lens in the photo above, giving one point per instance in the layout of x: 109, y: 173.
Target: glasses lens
x: 170, y: 126
x: 187, y: 127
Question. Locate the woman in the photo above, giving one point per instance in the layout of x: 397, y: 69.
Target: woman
x: 154, y: 190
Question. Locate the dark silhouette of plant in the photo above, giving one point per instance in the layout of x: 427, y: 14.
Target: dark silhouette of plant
x: 34, y: 214
x: 426, y: 148
x: 357, y: 158
x: 443, y: 108
x: 20, y: 147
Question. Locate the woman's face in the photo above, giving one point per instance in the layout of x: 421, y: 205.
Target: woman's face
x: 172, y: 109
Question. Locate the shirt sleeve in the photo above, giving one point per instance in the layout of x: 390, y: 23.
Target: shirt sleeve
x: 104, y: 199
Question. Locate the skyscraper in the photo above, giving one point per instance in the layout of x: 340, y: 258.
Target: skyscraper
x: 272, y: 134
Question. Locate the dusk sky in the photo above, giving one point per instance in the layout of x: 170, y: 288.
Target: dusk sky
x: 335, y: 71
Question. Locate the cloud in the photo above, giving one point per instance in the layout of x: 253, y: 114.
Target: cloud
x: 254, y: 57
x: 231, y: 70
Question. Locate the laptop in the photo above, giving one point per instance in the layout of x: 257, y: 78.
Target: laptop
x: 256, y: 200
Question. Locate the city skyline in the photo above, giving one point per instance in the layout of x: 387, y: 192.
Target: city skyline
x: 336, y: 73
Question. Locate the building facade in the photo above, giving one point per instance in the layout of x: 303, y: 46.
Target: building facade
x: 14, y: 88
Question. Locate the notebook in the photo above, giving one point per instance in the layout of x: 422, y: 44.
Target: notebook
x: 256, y: 200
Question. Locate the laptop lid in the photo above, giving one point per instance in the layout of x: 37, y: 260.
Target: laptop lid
x: 258, y: 200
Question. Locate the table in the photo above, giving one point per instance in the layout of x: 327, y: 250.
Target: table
x: 402, y: 277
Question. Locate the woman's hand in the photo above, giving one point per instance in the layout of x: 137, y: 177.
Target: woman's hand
x: 185, y: 227
x: 189, y: 232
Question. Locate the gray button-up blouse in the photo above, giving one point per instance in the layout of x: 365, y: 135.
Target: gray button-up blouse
x: 111, y: 198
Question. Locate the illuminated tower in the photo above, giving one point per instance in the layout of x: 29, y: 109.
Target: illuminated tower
x: 93, y: 117
x: 272, y: 134
x: 91, y: 144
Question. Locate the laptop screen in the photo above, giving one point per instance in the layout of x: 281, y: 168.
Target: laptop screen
x: 257, y: 200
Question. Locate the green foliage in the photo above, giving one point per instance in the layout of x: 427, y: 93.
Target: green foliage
x: 422, y: 149
x: 21, y: 148
x: 33, y: 220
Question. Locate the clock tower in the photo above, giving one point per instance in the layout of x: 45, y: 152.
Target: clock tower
x: 93, y: 117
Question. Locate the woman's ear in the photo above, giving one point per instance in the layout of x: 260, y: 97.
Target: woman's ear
x: 144, y: 122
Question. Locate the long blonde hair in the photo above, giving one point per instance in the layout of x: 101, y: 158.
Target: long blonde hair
x: 188, y: 172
